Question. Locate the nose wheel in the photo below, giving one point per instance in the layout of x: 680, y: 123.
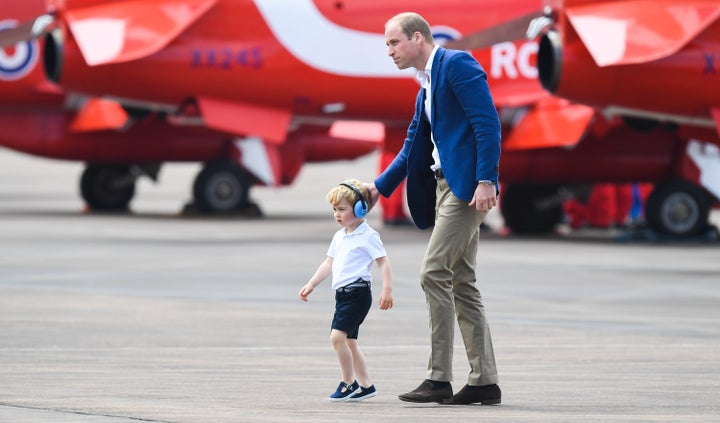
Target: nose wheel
x: 531, y: 208
x: 107, y: 187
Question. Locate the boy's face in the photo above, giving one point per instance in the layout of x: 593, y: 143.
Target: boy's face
x: 344, y: 214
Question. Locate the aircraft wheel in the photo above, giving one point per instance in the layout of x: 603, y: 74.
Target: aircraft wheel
x: 678, y: 207
x: 531, y: 208
x: 221, y: 186
x: 107, y: 187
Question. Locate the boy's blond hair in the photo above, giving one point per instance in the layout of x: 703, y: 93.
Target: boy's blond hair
x: 341, y: 192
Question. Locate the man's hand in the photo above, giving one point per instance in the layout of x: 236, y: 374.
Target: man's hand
x: 374, y: 193
x: 484, y: 198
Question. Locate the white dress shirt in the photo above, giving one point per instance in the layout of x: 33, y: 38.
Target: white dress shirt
x: 423, y: 76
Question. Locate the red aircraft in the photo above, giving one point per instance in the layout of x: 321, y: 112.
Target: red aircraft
x: 654, y: 64
x: 259, y: 75
x: 120, y: 143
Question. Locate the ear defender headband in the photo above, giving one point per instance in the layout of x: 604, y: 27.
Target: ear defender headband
x: 360, y: 208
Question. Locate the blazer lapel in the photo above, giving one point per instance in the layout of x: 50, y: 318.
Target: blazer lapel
x: 435, y: 80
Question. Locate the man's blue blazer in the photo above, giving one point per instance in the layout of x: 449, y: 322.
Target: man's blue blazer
x: 466, y: 130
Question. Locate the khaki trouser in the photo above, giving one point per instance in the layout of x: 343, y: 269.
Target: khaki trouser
x: 448, y: 279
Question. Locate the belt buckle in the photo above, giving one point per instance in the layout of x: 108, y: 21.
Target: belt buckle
x: 438, y: 174
x: 360, y: 283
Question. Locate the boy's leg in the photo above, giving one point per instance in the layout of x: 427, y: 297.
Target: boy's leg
x: 359, y: 364
x: 351, y: 308
x: 345, y: 357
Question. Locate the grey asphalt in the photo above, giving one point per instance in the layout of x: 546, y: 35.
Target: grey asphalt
x: 157, y: 317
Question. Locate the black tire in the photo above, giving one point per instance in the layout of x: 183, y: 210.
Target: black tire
x: 107, y: 187
x: 678, y: 207
x: 220, y: 187
x: 531, y: 208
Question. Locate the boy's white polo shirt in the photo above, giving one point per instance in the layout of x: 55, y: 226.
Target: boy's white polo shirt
x: 354, y: 253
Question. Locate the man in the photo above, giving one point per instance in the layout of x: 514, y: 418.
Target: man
x: 451, y: 160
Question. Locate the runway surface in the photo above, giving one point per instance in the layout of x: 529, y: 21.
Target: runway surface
x: 156, y: 317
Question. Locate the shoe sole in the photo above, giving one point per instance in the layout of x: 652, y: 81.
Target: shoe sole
x: 344, y: 399
x: 439, y: 400
x: 450, y: 401
x: 362, y: 397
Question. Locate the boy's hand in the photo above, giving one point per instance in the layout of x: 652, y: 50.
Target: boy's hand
x: 305, y: 291
x: 386, y: 300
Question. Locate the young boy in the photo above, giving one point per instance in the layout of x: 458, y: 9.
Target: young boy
x: 350, y: 256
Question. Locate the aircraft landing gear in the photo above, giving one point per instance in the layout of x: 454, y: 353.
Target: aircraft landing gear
x: 221, y: 187
x: 107, y: 187
x: 111, y: 187
x: 679, y: 208
x: 531, y: 208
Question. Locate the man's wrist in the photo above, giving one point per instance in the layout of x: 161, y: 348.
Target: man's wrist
x: 486, y: 182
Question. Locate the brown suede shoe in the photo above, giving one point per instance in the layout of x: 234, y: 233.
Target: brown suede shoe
x: 426, y: 393
x: 485, y: 395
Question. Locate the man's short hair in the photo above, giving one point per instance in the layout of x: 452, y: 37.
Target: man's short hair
x: 410, y: 23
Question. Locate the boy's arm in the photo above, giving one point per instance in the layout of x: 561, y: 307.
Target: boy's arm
x: 322, y: 272
x: 386, y: 300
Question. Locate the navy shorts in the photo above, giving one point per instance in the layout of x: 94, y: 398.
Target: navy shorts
x: 351, y: 308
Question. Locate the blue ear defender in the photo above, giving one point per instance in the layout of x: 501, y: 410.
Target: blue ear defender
x: 360, y: 208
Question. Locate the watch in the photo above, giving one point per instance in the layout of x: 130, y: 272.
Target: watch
x: 486, y: 182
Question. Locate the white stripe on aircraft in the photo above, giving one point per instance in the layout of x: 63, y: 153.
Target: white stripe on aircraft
x: 321, y: 44
x: 255, y: 158
x: 706, y: 157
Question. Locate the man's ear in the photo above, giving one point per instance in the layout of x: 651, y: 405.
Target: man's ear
x: 418, y: 38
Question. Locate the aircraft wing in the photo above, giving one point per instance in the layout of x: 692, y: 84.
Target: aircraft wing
x: 505, y: 95
x: 549, y: 121
x: 244, y: 118
x: 124, y: 31
x: 639, y: 31
x: 510, y: 30
x: 29, y: 30
x: 116, y: 32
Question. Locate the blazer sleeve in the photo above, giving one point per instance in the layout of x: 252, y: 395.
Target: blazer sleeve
x: 396, y: 172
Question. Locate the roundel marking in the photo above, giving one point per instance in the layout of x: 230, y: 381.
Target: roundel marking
x: 17, y: 62
x: 443, y: 34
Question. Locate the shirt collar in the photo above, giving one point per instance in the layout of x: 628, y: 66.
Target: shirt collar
x: 424, y: 75
x: 360, y: 229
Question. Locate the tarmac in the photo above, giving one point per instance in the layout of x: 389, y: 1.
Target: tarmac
x: 152, y: 316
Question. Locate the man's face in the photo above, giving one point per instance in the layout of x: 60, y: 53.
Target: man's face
x: 402, y: 50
